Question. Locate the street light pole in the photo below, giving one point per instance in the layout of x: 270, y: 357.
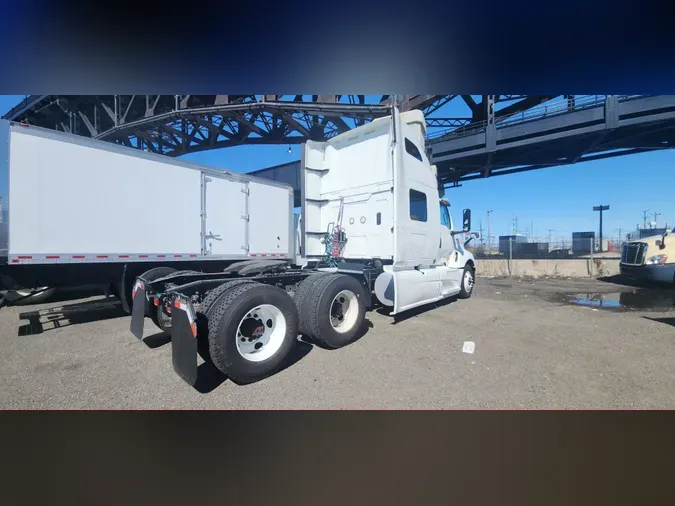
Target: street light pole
x: 600, y: 209
x: 489, y: 236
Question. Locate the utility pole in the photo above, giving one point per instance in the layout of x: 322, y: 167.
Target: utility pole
x: 601, y: 209
x: 482, y: 239
x: 644, y: 218
x: 489, y: 236
x: 655, y: 215
x: 549, y: 236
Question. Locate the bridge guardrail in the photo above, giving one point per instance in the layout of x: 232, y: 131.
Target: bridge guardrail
x: 547, y: 110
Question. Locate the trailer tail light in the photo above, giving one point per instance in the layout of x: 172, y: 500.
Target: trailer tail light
x: 155, y: 301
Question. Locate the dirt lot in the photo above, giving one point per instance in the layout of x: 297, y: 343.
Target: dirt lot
x: 533, y: 349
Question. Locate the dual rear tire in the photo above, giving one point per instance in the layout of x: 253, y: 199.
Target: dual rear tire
x: 332, y: 309
x: 248, y: 330
x: 251, y: 330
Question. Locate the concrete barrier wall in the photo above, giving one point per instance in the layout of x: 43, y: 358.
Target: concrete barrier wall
x: 577, y: 268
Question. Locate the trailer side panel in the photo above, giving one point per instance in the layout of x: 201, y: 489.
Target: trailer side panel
x: 87, y: 201
x: 4, y: 188
x: 70, y: 198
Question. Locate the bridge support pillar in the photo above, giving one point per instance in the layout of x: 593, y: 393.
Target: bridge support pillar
x: 611, y: 112
x: 490, y: 133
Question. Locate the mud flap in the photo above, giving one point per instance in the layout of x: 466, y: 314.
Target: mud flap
x: 184, y: 340
x: 138, y: 310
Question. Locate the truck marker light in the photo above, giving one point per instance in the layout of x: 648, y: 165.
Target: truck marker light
x: 155, y: 300
x: 78, y: 256
x: 52, y: 257
x: 142, y: 256
x: 124, y: 256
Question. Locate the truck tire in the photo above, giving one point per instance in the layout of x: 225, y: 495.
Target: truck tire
x: 204, y: 311
x: 305, y: 287
x: 39, y: 298
x: 163, y: 319
x: 468, y: 282
x: 151, y: 275
x: 252, y: 330
x: 333, y: 310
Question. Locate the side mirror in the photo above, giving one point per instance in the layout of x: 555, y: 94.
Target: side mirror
x: 467, y: 220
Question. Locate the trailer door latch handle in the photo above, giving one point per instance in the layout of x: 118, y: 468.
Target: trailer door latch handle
x: 212, y: 236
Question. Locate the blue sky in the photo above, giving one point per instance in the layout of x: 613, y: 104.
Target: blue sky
x: 558, y: 198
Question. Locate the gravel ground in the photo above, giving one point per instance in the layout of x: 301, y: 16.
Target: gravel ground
x: 532, y: 350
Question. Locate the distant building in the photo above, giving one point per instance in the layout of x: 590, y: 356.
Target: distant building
x: 583, y: 242
x: 514, y: 239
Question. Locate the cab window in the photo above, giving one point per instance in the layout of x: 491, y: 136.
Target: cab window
x: 418, y: 206
x: 412, y: 149
x: 445, y: 216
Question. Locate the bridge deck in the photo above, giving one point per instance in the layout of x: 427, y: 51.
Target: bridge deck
x: 556, y: 135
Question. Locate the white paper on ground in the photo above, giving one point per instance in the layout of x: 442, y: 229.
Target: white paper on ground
x: 469, y: 347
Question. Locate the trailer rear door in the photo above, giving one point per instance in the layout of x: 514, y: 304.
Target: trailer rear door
x: 225, y: 225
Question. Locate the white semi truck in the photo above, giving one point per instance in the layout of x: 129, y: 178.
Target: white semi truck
x: 219, y: 260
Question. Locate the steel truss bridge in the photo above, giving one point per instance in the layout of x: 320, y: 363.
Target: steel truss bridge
x: 501, y: 134
x: 175, y: 125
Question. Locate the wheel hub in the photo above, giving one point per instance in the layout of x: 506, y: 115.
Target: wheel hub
x: 343, y: 311
x: 260, y: 332
x: 251, y: 329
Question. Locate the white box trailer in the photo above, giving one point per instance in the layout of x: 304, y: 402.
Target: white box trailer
x: 225, y: 275
x: 80, y: 208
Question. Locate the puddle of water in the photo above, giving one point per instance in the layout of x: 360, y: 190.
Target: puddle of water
x: 642, y: 300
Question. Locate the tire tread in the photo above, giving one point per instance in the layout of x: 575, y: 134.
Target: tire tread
x: 310, y: 316
x: 218, y: 316
x: 203, y: 314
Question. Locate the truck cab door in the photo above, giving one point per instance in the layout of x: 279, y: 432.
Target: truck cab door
x: 449, y: 257
x: 416, y: 217
x: 446, y: 243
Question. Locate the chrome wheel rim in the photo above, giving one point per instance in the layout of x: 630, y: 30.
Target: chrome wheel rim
x: 468, y: 281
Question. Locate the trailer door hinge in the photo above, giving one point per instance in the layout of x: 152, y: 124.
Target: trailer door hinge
x: 246, y: 191
x: 207, y: 179
x: 245, y: 248
x: 245, y: 217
